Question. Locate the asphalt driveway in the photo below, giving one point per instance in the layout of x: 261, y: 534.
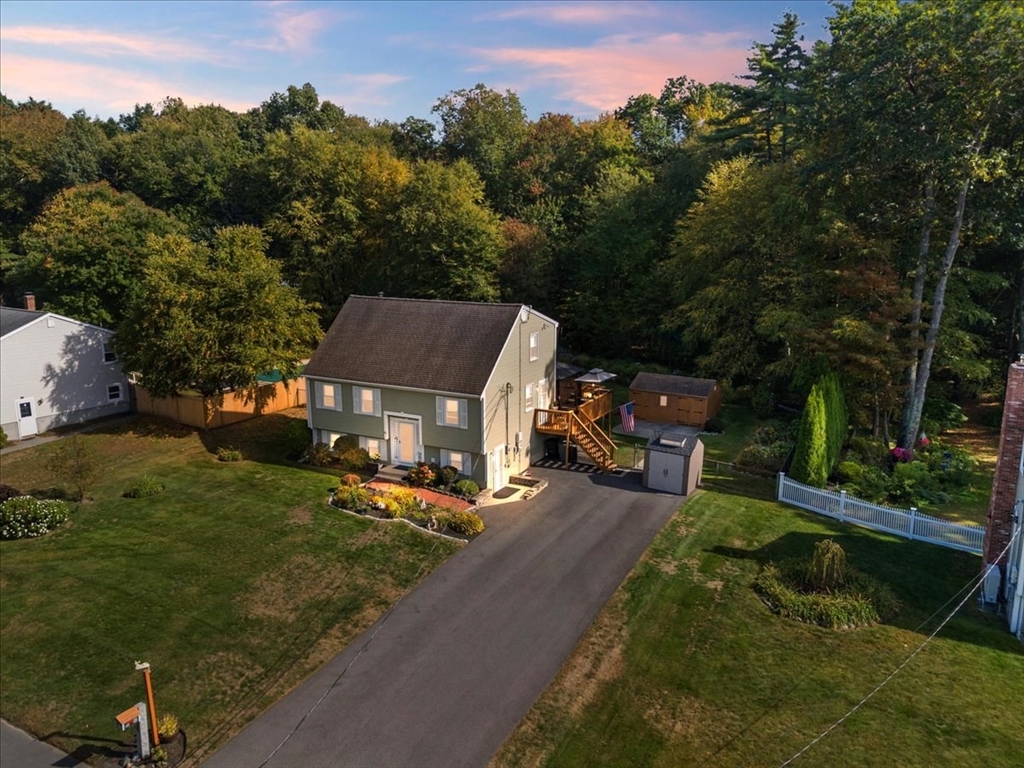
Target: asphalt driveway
x: 460, y: 660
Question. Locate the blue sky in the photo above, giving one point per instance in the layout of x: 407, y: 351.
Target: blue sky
x: 382, y: 60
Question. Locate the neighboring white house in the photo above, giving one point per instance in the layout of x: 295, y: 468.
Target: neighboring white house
x: 55, y: 370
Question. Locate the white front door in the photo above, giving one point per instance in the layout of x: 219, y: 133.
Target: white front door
x: 26, y: 419
x: 404, y: 441
x: 498, y: 468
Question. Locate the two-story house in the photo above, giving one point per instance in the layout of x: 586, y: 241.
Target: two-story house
x: 450, y: 382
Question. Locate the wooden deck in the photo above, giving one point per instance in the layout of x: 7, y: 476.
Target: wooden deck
x: 578, y: 425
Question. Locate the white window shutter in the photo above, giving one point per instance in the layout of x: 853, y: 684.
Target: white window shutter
x: 440, y: 410
x: 376, y: 402
x: 463, y: 414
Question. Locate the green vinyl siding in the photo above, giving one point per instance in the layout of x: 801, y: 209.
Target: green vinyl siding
x: 400, y: 401
x: 515, y: 367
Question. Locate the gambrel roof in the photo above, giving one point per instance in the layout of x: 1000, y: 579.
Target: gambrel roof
x: 439, y: 346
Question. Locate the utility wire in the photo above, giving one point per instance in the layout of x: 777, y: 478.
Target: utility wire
x: 906, y: 661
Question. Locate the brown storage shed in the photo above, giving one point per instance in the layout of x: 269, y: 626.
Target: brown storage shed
x: 668, y: 399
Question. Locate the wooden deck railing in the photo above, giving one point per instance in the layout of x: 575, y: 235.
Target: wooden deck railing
x: 596, y: 407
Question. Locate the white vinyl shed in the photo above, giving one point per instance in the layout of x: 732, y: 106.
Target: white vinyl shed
x: 673, y: 464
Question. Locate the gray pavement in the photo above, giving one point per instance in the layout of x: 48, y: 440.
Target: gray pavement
x: 454, y: 668
x: 19, y: 750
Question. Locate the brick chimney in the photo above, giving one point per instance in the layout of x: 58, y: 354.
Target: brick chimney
x: 1008, y: 467
x: 30, y: 301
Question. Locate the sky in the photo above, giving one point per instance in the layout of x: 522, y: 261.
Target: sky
x: 381, y: 60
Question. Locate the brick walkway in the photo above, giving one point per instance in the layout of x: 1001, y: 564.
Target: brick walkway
x: 431, y: 497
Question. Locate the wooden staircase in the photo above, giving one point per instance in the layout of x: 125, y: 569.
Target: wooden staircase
x: 578, y: 429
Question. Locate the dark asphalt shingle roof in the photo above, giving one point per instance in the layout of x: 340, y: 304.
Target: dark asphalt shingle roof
x: 565, y: 371
x: 684, y: 446
x: 443, y: 346
x: 673, y: 385
x: 11, y: 318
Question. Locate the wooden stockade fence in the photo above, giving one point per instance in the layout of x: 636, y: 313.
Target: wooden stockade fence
x: 225, y: 408
x: 903, y: 522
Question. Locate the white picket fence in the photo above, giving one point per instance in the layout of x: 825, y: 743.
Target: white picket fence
x: 903, y: 522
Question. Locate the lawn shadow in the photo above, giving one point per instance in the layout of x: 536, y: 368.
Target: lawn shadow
x: 92, y: 749
x: 923, y: 577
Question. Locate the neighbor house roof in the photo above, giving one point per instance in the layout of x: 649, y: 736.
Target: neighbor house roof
x: 11, y: 319
x: 673, y: 385
x: 441, y: 346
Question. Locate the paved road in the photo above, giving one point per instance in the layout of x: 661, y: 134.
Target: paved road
x: 461, y: 659
x: 19, y: 750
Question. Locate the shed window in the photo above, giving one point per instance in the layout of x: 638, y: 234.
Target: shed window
x: 452, y: 412
x: 663, y: 401
x: 327, y: 396
x: 114, y: 393
x: 366, y: 401
x: 534, y: 345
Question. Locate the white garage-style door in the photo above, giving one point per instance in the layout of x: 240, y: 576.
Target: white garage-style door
x: 665, y: 472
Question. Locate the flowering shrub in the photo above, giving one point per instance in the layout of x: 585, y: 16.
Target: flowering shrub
x: 406, y: 499
x: 352, y: 497
x: 902, y: 454
x: 25, y: 517
x: 421, y: 474
x: 466, y: 523
x: 387, y: 506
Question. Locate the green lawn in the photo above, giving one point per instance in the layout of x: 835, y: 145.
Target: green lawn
x: 235, y: 584
x: 685, y: 666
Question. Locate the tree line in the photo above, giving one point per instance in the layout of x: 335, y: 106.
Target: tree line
x: 850, y: 207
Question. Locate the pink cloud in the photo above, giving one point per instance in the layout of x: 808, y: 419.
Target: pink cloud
x: 575, y: 13
x: 604, y: 76
x: 358, y: 91
x: 98, y: 89
x: 97, y: 42
x: 290, y: 31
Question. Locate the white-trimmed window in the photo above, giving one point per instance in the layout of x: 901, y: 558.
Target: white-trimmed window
x: 663, y: 401
x: 328, y: 437
x: 542, y: 393
x: 452, y: 412
x: 109, y: 355
x: 534, y: 345
x: 528, y: 396
x: 372, y: 445
x: 114, y: 393
x: 366, y: 401
x: 328, y: 396
x: 457, y: 459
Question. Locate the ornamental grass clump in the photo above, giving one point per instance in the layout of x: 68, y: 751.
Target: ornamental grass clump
x: 145, y: 487
x: 825, y: 590
x: 25, y: 517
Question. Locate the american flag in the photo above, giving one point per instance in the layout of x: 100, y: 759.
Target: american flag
x: 626, y: 414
